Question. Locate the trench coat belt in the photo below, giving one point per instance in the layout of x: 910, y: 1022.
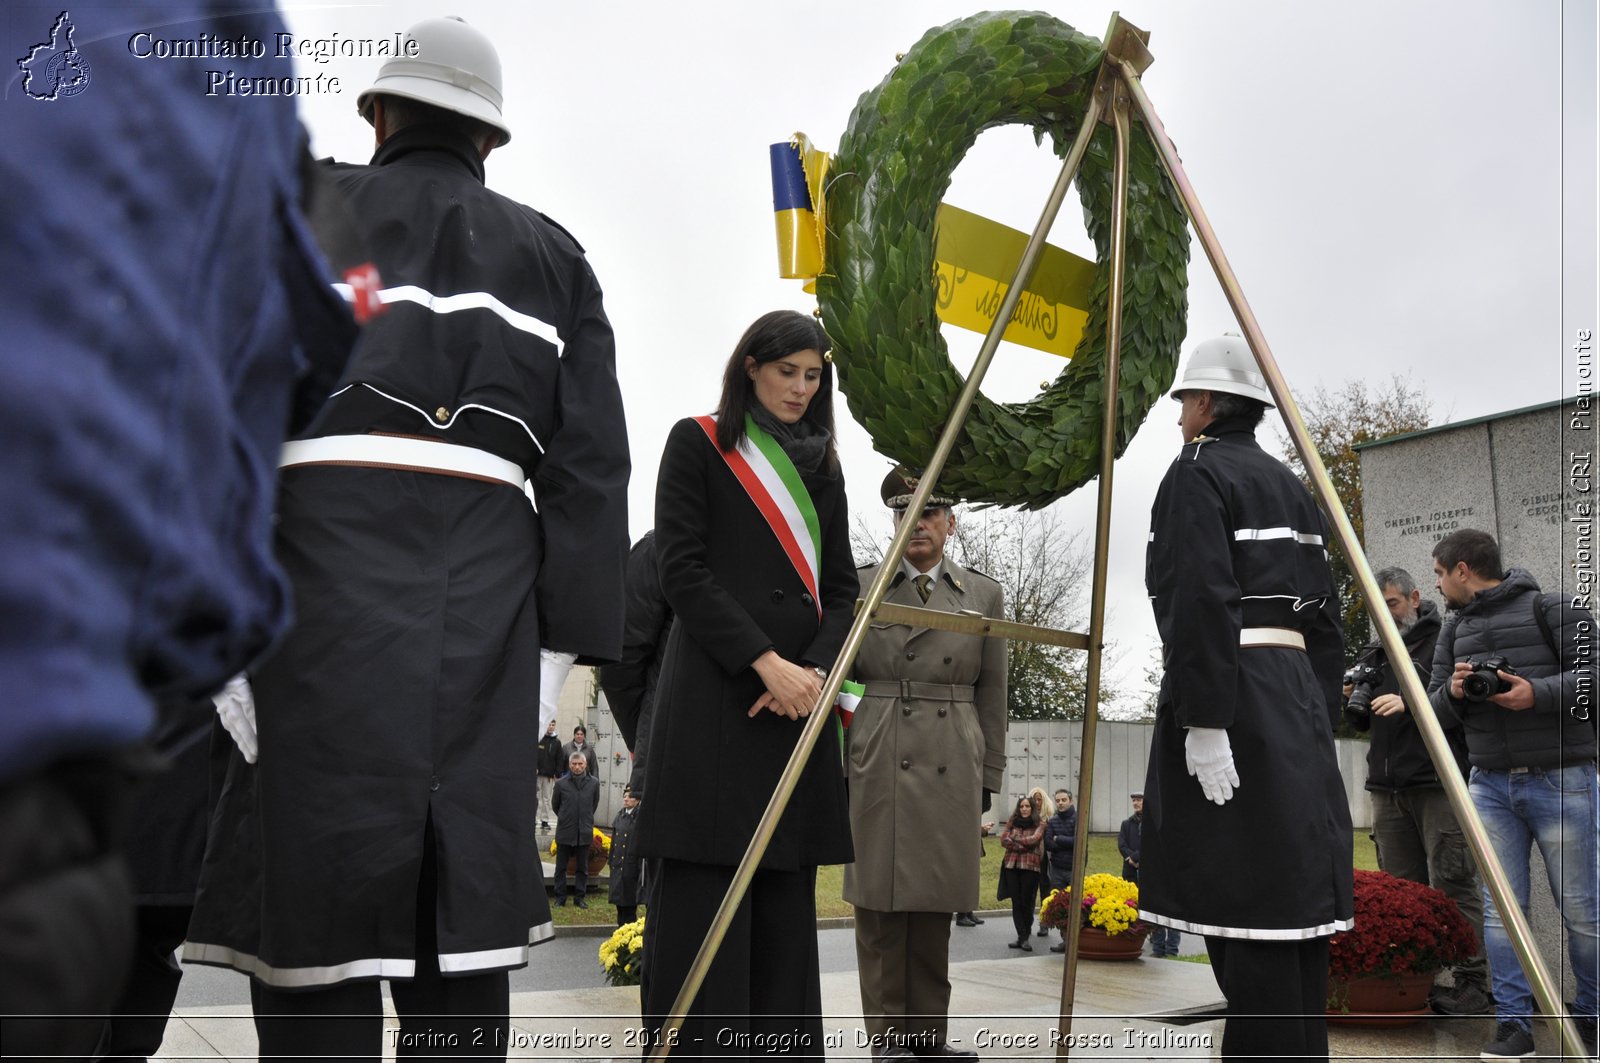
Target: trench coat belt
x: 1282, y: 637
x: 905, y: 688
x: 402, y: 452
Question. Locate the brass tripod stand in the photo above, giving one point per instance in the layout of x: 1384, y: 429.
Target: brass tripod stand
x: 1117, y: 94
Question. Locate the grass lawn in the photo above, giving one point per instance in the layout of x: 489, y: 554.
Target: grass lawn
x: 1103, y: 856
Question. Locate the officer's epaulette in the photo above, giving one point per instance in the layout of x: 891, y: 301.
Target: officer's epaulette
x: 980, y: 572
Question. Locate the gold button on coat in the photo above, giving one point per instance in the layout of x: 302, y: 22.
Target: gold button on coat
x: 441, y: 415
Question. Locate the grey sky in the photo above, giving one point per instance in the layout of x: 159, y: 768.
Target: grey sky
x: 1386, y: 178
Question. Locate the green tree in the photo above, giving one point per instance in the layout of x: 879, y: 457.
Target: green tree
x: 1338, y: 422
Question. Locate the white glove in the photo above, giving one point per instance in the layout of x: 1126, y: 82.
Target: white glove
x: 1209, y: 757
x: 553, y: 669
x: 236, y: 707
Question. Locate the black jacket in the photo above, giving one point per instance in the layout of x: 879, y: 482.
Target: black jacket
x: 575, y: 799
x: 630, y: 683
x: 735, y: 594
x: 1129, y: 838
x: 1396, y: 757
x: 1500, y: 620
x: 1061, y: 838
x: 550, y: 762
x: 591, y: 759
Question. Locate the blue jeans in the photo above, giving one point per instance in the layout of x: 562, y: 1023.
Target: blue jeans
x: 1559, y: 809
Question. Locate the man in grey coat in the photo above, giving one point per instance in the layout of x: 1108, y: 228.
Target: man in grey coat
x: 577, y: 795
x: 927, y: 739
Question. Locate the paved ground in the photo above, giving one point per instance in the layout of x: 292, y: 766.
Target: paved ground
x: 1004, y: 1003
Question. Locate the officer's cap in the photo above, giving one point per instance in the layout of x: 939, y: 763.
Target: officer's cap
x: 899, y: 486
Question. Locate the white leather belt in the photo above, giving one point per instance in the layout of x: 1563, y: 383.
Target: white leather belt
x: 1283, y: 637
x: 402, y: 452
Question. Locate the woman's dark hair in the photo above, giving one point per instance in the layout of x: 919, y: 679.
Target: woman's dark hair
x: 1016, y: 809
x: 770, y: 337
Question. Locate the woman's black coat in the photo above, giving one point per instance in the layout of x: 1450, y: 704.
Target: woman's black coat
x: 735, y: 595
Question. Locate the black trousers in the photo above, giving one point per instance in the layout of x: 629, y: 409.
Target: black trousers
x: 1023, y: 888
x: 1277, y: 993
x: 440, y: 1018
x: 762, y: 996
x: 66, y: 909
x: 138, y: 1022
x: 579, y: 854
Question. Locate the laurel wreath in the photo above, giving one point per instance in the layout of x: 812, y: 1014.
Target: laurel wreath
x: 878, y: 298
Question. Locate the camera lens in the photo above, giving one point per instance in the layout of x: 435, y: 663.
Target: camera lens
x: 1479, y: 685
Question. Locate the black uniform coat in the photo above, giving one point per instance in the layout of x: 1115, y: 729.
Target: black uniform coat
x: 574, y: 800
x: 626, y: 867
x: 1237, y: 542
x: 735, y: 595
x: 404, y: 693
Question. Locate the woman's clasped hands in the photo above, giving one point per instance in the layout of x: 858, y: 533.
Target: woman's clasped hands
x: 792, y: 689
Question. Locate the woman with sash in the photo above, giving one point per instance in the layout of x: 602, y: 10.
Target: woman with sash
x: 752, y: 538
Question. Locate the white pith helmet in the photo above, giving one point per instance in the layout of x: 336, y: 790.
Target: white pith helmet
x: 1223, y: 364
x: 455, y: 68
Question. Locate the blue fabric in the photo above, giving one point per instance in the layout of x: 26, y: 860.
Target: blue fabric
x: 1560, y: 810
x: 155, y: 269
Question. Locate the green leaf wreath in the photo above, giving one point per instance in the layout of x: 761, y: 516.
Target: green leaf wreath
x: 877, y: 293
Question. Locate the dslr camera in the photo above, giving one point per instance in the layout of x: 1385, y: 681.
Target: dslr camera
x: 1482, y: 683
x: 1365, y: 679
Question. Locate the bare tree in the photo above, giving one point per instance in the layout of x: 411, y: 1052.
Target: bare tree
x: 1338, y: 422
x: 1045, y: 572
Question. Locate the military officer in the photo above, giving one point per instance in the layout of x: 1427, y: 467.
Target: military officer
x: 927, y: 739
x: 1246, y: 832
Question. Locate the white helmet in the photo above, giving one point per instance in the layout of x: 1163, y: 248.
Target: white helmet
x: 455, y: 68
x: 1224, y: 364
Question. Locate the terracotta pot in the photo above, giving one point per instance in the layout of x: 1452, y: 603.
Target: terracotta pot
x: 1096, y: 944
x: 597, y: 863
x: 1379, y: 999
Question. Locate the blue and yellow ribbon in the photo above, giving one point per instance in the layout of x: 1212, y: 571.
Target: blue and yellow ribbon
x: 975, y: 259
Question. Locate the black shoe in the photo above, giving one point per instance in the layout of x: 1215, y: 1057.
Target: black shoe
x: 1044, y: 933
x: 892, y: 1052
x: 1025, y: 945
x: 1510, y: 1042
x: 580, y: 903
x: 944, y: 1050
x: 975, y: 918
x: 1060, y: 946
x: 1462, y: 999
x: 559, y: 902
x: 965, y: 920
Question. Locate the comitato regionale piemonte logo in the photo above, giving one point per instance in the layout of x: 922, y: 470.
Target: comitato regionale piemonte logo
x: 54, y: 68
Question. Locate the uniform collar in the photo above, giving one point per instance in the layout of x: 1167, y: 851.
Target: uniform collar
x: 946, y: 572
x: 1228, y: 426
x: 434, y: 140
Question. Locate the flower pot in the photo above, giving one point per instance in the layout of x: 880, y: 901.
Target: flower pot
x: 597, y: 864
x: 1096, y: 944
x: 1379, y: 999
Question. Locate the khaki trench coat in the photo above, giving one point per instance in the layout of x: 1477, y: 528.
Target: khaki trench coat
x: 921, y: 756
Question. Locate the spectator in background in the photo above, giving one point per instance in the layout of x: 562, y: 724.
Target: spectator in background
x: 1413, y: 826
x: 580, y: 745
x: 1516, y: 668
x: 1060, y: 843
x: 627, y: 868
x: 1130, y: 839
x: 577, y: 795
x: 163, y: 301
x: 1023, y: 842
x: 550, y: 763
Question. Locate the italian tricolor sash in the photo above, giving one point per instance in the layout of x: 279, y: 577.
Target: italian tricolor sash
x: 773, y: 484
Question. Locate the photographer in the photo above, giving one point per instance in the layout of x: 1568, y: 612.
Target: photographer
x: 1417, y: 833
x: 1500, y: 671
